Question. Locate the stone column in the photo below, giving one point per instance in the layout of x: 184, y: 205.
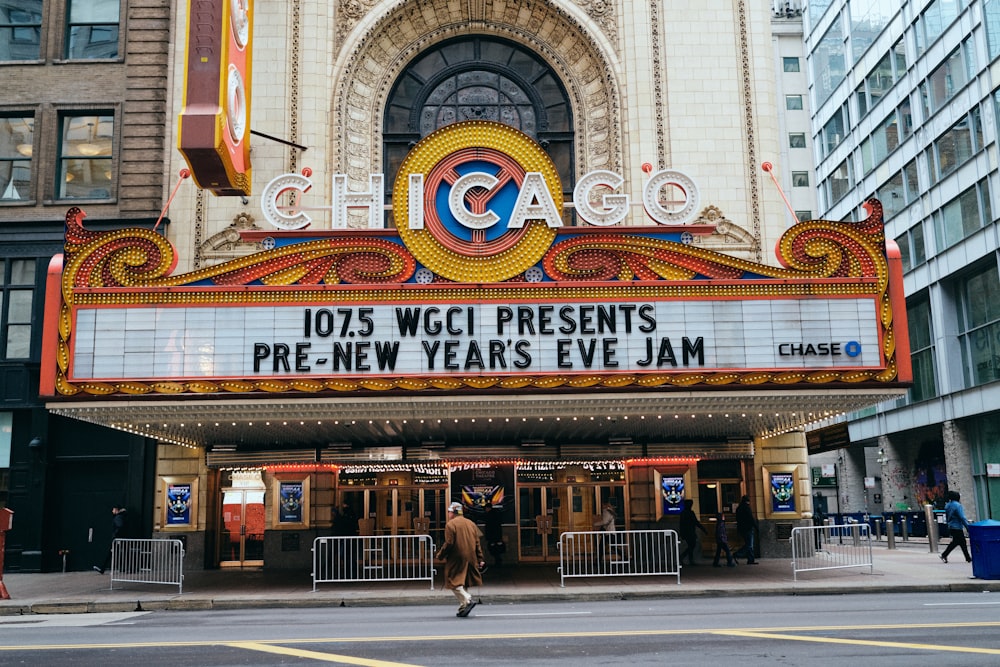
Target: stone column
x: 777, y: 454
x: 897, y: 478
x: 958, y: 463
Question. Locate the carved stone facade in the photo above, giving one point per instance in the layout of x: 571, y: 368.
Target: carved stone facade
x: 376, y: 59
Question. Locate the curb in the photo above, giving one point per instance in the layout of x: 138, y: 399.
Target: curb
x: 230, y: 604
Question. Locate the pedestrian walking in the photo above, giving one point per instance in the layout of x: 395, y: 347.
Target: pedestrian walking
x: 494, y: 533
x: 722, y: 542
x: 954, y: 515
x: 463, y: 556
x: 746, y: 526
x: 119, y: 525
x: 688, y: 531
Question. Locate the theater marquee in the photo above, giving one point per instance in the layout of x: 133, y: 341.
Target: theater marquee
x: 480, y: 285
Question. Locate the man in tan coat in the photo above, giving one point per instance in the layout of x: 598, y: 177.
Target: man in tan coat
x: 463, y: 557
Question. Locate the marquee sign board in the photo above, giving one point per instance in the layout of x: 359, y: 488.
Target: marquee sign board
x: 482, y: 287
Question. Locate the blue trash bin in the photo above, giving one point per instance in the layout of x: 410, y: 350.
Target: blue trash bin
x: 984, y: 540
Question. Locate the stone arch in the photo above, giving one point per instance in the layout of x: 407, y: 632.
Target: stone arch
x: 378, y: 50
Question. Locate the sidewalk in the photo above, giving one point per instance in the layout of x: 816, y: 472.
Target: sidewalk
x: 910, y: 568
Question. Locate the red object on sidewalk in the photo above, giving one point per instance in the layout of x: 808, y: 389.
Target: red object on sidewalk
x: 6, y: 521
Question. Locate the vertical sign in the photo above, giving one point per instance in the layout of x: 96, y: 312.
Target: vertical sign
x: 782, y: 492
x: 672, y: 493
x: 179, y: 504
x: 214, y: 123
x: 290, y: 502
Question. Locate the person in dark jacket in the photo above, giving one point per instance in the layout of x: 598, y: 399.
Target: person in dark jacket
x: 954, y: 515
x: 746, y: 526
x: 493, y: 532
x: 687, y: 531
x: 722, y: 542
x: 119, y: 526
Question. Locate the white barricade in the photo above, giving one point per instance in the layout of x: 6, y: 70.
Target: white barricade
x: 373, y: 558
x: 831, y: 548
x: 624, y: 553
x: 148, y: 562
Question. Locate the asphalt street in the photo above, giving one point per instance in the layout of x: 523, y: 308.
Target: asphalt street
x: 876, y: 629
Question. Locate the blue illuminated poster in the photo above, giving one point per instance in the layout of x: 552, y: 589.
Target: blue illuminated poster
x: 179, y: 504
x: 782, y: 492
x: 672, y: 493
x: 290, y: 502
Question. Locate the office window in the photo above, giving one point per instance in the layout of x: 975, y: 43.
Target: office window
x: 21, y: 30
x: 839, y: 183
x: 92, y: 29
x: 962, y: 216
x: 17, y: 290
x: 790, y: 64
x: 991, y: 20
x: 793, y: 102
x: 911, y: 187
x: 804, y: 215
x: 796, y: 140
x: 85, y: 159
x: 836, y: 129
x: 868, y: 19
x: 16, y: 147
x: 800, y: 179
x: 979, y: 326
x: 920, y: 326
x: 829, y: 62
x: 935, y: 20
x: 955, y: 146
x: 891, y: 195
x: 882, y: 141
x: 947, y: 79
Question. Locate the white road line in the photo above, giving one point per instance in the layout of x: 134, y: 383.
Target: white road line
x: 542, y: 613
x: 67, y: 620
x: 960, y: 604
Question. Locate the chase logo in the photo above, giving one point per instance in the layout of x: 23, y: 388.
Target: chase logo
x: 851, y: 348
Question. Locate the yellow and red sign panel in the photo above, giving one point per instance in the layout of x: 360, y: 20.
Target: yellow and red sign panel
x: 214, y: 124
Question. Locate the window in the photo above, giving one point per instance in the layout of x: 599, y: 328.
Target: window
x: 991, y: 19
x: 955, y: 146
x: 800, y: 179
x: 21, y: 30
x: 790, y: 64
x: 92, y: 29
x: 16, y: 147
x: 979, y: 326
x: 949, y: 77
x: 935, y: 19
x: 796, y: 140
x: 804, y: 215
x: 912, y: 248
x: 483, y: 78
x: 883, y: 141
x: 891, y: 195
x: 911, y: 187
x: 793, y: 102
x: 962, y: 216
x: 868, y: 19
x: 17, y: 289
x: 829, y: 63
x: 85, y: 158
x: 839, y: 183
x: 921, y: 331
x: 836, y: 129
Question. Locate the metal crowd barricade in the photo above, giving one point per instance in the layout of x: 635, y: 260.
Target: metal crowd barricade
x: 373, y: 558
x: 831, y: 548
x: 624, y: 553
x: 153, y: 561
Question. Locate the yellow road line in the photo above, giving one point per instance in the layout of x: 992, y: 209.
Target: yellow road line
x: 519, y: 635
x: 861, y: 642
x: 316, y: 655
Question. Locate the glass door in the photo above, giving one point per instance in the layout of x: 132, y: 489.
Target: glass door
x: 241, y: 539
x: 541, y: 513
